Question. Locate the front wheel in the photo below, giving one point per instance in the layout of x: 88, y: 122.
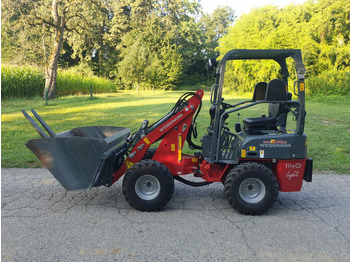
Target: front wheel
x: 148, y: 185
x: 251, y: 188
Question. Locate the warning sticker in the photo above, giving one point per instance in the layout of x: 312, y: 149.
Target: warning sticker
x: 146, y: 141
x: 243, y: 153
x: 129, y: 164
x: 261, y: 153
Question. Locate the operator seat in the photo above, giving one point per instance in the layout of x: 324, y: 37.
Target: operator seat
x: 259, y: 91
x: 275, y: 91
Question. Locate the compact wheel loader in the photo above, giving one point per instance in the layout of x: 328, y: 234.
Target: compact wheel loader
x: 254, y: 160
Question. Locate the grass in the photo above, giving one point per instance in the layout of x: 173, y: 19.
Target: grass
x: 328, y: 129
x: 327, y: 122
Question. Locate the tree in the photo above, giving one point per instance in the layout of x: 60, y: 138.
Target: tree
x: 157, y: 28
x: 52, y: 18
x: 320, y: 28
x: 103, y: 35
x: 134, y: 62
x: 148, y: 57
x: 21, y: 42
x: 215, y: 26
x: 164, y: 67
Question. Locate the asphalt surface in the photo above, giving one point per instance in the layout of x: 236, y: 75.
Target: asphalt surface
x: 43, y: 222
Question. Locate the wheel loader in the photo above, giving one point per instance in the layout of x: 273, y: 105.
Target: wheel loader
x: 255, y: 159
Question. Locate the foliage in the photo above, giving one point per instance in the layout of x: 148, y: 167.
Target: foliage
x: 321, y: 29
x: 99, y: 35
x: 47, y: 22
x: 159, y: 44
x: 149, y: 58
x: 28, y: 82
x: 215, y: 26
x: 153, y: 47
x: 329, y: 83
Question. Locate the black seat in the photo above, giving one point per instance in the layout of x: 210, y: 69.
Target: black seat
x: 259, y: 91
x: 275, y: 91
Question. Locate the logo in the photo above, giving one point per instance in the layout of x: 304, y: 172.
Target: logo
x: 275, y: 143
x: 290, y: 175
x: 171, y: 122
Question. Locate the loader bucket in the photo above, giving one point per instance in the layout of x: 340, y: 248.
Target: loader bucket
x: 82, y: 157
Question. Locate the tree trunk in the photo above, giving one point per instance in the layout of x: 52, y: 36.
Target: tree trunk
x: 100, y: 52
x: 51, y: 75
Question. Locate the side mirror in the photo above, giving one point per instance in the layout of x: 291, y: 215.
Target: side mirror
x: 212, y: 63
x: 144, y: 124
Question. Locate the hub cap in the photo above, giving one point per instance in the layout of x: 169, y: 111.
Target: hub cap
x: 252, y: 190
x: 147, y: 187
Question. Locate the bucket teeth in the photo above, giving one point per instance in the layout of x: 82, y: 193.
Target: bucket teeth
x: 35, y: 125
x: 43, y: 123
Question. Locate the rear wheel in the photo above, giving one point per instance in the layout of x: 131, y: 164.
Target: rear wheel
x: 251, y: 188
x: 148, y: 185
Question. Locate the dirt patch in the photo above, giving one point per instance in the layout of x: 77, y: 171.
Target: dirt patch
x: 325, y: 122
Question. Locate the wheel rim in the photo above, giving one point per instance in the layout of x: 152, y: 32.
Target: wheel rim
x: 252, y: 190
x: 147, y: 187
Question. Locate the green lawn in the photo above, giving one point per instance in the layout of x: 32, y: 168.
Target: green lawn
x: 327, y: 123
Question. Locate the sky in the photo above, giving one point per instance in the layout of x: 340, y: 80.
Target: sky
x: 244, y: 6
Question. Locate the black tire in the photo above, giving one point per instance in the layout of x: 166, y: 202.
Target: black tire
x: 251, y: 188
x: 148, y: 185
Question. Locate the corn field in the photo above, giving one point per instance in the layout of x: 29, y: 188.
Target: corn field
x: 30, y: 82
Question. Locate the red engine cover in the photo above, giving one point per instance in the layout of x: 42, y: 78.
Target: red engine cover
x: 290, y: 174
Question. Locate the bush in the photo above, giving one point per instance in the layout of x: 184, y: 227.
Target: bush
x: 329, y: 83
x: 29, y: 82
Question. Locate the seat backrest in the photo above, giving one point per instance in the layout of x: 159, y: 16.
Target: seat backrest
x: 275, y: 109
x: 276, y: 91
x: 259, y: 91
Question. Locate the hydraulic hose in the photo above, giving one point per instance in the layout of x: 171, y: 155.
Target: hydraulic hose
x: 191, y: 183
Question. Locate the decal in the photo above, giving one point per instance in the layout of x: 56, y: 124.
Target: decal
x: 302, y: 87
x: 172, y: 147
x: 290, y: 175
x: 275, y: 143
x: 243, y: 153
x: 146, y: 141
x: 129, y: 164
x: 171, y: 122
x: 297, y: 165
x: 252, y: 148
x: 261, y: 153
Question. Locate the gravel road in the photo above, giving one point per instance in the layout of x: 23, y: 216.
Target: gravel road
x: 43, y: 222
